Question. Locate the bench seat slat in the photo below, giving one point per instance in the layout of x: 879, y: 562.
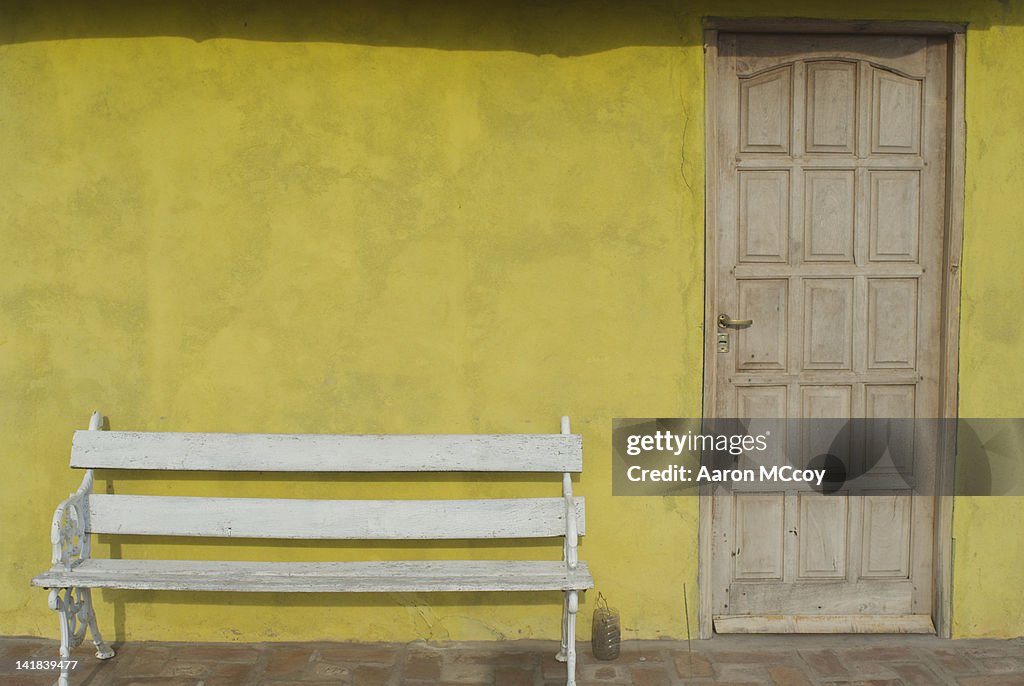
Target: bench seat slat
x: 327, y: 453
x: 281, y: 518
x: 397, y: 576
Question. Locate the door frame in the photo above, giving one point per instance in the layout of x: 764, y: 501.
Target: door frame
x: 952, y: 241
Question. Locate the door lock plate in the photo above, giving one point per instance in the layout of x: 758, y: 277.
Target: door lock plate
x: 723, y: 342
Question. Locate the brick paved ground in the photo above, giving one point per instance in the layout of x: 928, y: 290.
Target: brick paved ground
x: 761, y: 660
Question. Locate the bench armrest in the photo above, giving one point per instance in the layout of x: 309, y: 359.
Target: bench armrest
x: 68, y: 532
x: 571, y: 533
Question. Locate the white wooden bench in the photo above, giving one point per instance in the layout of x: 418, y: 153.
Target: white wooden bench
x: 74, y: 571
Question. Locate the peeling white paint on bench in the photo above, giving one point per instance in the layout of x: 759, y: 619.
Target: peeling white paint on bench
x: 313, y: 577
x: 74, y: 572
x: 330, y: 519
x: 326, y: 453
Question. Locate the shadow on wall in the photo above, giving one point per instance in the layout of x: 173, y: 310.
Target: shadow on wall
x: 540, y: 27
x: 531, y: 26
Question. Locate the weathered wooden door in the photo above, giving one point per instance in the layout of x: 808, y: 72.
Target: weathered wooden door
x: 827, y: 230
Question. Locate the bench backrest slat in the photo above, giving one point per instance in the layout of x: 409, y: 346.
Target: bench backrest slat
x: 327, y: 453
x: 330, y: 519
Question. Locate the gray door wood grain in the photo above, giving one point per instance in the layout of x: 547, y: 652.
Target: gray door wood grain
x: 828, y: 232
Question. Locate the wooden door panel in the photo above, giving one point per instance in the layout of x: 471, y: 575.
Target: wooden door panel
x: 831, y: 106
x: 885, y: 547
x: 822, y: 541
x: 888, y: 452
x: 825, y: 402
x: 892, y: 323
x: 871, y: 597
x: 764, y: 215
x: 759, y: 534
x: 764, y: 347
x: 761, y: 401
x: 895, y: 215
x: 828, y: 323
x: 765, y: 111
x: 829, y: 215
x: 896, y: 113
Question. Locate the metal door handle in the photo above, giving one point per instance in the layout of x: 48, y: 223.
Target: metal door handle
x: 725, y: 321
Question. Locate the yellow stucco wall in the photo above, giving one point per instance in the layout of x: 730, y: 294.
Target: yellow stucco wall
x: 988, y: 549
x: 435, y: 217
